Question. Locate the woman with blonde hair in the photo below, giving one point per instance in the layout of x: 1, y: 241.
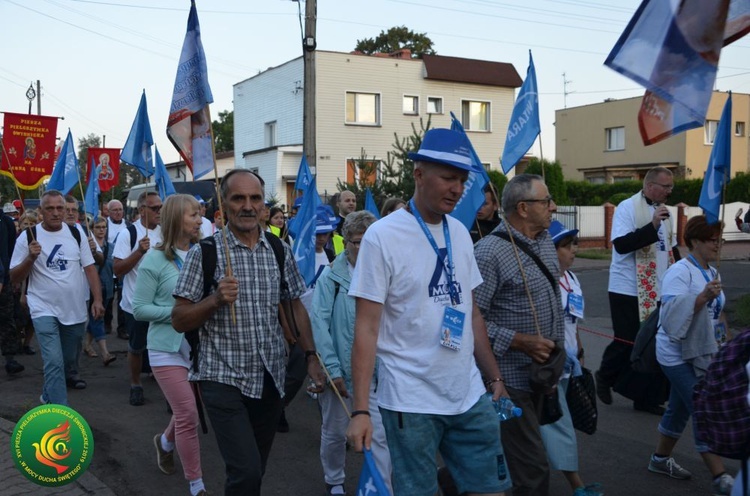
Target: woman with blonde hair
x: 169, y: 352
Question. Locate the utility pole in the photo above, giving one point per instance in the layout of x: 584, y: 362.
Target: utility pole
x: 566, y: 82
x: 309, y: 43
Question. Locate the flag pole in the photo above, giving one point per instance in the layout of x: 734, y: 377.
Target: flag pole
x: 221, y: 207
x: 15, y: 184
x: 83, y: 199
x: 723, y: 212
x: 541, y: 157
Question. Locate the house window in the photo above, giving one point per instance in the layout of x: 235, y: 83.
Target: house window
x: 615, y: 138
x: 411, y: 105
x: 710, y: 132
x: 739, y: 128
x: 475, y: 116
x: 362, y: 108
x: 434, y: 105
x: 363, y: 173
x: 269, y: 135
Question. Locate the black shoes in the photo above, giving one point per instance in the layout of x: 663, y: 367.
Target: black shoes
x: 12, y: 367
x: 603, y: 391
x: 136, y: 396
x: 283, y: 424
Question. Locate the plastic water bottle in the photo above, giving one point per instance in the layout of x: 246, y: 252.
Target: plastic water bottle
x: 505, y: 408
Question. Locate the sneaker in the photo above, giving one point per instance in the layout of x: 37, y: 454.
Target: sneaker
x: 668, y: 467
x: 164, y: 459
x: 42, y: 400
x: 723, y: 485
x: 136, y: 396
x: 12, y: 367
x: 283, y: 423
x: 590, y: 490
x: 603, y: 390
x: 335, y: 490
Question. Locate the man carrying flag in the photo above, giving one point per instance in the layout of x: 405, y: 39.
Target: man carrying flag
x: 189, y: 124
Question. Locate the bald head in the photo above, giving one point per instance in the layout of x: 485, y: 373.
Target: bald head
x: 116, y: 211
x: 347, y: 203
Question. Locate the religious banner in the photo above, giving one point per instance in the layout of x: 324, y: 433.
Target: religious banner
x: 108, y: 162
x: 28, y: 154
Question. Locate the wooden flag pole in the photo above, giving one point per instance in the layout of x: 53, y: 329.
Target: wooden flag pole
x: 541, y: 158
x: 723, y: 212
x: 221, y: 209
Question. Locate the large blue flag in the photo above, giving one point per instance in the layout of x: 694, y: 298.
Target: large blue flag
x: 164, y: 184
x: 672, y: 49
x: 370, y: 480
x: 304, y: 176
x: 719, y: 165
x: 137, y: 149
x: 473, y: 197
x: 65, y: 174
x: 302, y: 229
x: 189, y: 123
x: 370, y: 204
x: 523, y: 127
x: 91, y: 199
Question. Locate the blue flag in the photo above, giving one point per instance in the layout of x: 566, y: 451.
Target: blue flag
x: 523, y: 127
x: 65, y: 174
x: 161, y: 177
x: 473, y: 197
x: 91, y: 199
x: 304, y: 176
x: 189, y: 123
x: 370, y: 204
x: 137, y: 149
x: 302, y: 229
x: 719, y: 165
x: 370, y: 480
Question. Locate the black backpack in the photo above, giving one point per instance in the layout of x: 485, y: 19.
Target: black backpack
x: 31, y: 234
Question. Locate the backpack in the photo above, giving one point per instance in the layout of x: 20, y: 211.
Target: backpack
x: 643, y: 357
x: 31, y: 233
x: 208, y: 259
x: 720, y: 406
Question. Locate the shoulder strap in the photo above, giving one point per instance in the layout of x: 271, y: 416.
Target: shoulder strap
x: 133, y: 235
x: 208, y: 256
x: 75, y: 232
x: 278, y: 250
x: 526, y: 249
x: 105, y: 252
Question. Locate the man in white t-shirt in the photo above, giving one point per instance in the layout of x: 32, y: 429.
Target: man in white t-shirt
x: 115, y: 221
x: 413, y: 285
x: 52, y: 262
x: 207, y: 227
x: 644, y: 244
x: 115, y: 224
x: 129, y: 249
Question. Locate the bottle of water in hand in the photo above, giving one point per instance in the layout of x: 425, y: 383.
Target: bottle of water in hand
x: 505, y: 408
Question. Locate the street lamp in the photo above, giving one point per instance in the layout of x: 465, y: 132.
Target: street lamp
x: 30, y: 94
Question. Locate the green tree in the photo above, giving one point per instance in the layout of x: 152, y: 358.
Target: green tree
x: 224, y: 131
x: 553, y: 178
x: 397, y: 38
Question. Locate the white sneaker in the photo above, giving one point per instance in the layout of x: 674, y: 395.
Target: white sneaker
x: 668, y: 467
x: 723, y: 485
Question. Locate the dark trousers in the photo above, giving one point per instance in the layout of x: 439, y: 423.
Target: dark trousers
x: 524, y: 449
x: 644, y: 389
x: 9, y: 337
x: 244, y: 429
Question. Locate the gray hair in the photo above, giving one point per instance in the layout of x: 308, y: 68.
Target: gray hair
x: 518, y: 189
x: 144, y: 196
x: 655, y: 172
x: 357, y: 223
x: 114, y: 202
x: 224, y: 186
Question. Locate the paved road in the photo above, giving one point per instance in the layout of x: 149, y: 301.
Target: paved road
x: 615, y: 456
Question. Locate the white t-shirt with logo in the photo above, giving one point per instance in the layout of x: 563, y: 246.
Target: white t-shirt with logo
x: 114, y: 229
x: 57, y: 284
x: 398, y: 268
x: 622, y: 269
x: 122, y: 251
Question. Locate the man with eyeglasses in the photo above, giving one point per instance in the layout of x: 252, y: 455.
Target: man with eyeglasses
x: 504, y: 300
x: 115, y: 224
x: 644, y: 244
x: 130, y: 247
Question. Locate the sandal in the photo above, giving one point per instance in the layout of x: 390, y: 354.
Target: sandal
x: 109, y: 359
x: 90, y: 352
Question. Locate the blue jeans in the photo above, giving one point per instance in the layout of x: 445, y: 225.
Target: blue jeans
x: 60, y: 345
x: 682, y: 378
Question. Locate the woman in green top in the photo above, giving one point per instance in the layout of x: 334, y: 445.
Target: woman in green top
x: 168, y: 349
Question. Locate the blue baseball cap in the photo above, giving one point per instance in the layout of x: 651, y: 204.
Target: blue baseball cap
x: 200, y: 199
x: 447, y: 147
x: 325, y: 220
x: 559, y: 232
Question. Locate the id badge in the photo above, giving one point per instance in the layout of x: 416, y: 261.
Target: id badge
x: 452, y: 328
x: 720, y: 333
x: 575, y: 305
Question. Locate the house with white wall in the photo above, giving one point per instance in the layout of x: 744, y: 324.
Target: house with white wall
x: 361, y: 101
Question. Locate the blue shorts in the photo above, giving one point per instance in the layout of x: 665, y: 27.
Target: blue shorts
x: 137, y: 332
x: 469, y: 444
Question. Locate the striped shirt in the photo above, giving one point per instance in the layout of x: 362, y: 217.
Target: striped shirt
x: 237, y: 355
x: 504, y: 304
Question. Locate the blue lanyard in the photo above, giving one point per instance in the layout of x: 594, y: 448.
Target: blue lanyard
x: 695, y: 262
x: 720, y: 299
x: 449, y: 269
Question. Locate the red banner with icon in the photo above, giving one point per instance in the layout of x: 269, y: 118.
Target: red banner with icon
x: 108, y: 162
x: 28, y: 154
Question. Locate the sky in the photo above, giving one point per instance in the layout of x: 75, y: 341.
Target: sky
x: 94, y: 58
